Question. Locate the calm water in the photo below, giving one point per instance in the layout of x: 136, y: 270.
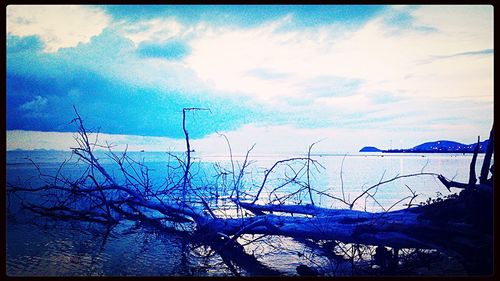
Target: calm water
x: 41, y: 247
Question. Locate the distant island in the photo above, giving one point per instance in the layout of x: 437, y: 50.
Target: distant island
x: 441, y: 146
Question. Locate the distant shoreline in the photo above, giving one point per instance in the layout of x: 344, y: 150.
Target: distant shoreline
x: 441, y: 146
x: 424, y: 151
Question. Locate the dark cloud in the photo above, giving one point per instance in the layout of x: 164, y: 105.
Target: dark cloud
x: 43, y: 87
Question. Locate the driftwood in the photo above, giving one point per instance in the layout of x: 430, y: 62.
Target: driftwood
x: 460, y: 227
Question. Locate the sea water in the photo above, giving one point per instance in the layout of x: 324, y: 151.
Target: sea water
x: 43, y: 247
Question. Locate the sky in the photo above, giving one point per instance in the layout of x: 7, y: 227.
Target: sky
x: 280, y: 77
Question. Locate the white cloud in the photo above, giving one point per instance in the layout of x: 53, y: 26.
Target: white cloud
x: 226, y: 56
x: 156, y: 30
x: 36, y: 104
x: 58, y: 26
x: 30, y: 140
x: 371, y: 53
x: 471, y: 24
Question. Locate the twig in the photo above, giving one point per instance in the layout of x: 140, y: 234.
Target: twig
x: 341, y: 178
x: 390, y: 180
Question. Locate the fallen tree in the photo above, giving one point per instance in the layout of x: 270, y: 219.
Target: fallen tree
x: 460, y: 226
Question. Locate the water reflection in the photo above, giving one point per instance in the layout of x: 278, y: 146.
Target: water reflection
x: 61, y: 248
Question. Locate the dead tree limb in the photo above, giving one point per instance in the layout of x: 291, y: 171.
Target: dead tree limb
x: 483, y: 178
x: 472, y: 169
x: 188, y: 148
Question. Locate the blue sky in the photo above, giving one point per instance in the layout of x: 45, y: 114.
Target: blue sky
x: 279, y: 76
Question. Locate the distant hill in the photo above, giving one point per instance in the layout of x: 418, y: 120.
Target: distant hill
x: 441, y: 146
x: 370, y: 149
